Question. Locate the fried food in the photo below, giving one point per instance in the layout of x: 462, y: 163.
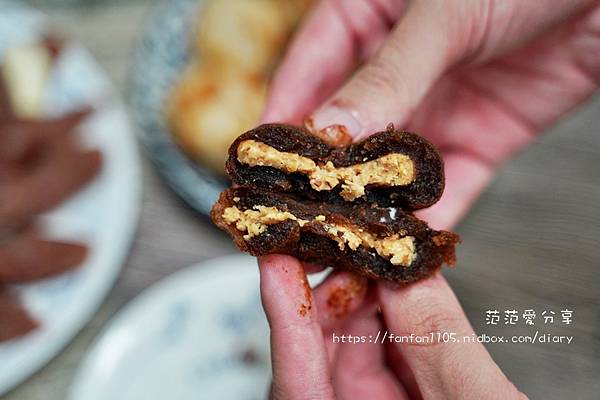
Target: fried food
x: 51, y: 180
x: 41, y: 164
x: 26, y: 256
x: 342, y: 205
x: 222, y: 91
x: 389, y: 168
x: 25, y: 70
x: 14, y: 319
x: 376, y: 242
x: 243, y: 34
x: 209, y: 109
x: 23, y: 139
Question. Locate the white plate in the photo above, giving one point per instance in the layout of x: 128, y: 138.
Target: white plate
x: 104, y: 214
x: 199, y: 334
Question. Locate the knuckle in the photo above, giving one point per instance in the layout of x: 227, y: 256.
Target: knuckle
x: 476, y: 36
x: 436, y: 322
x: 381, y: 77
x: 432, y: 316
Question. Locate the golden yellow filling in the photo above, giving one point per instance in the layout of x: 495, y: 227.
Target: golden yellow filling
x: 400, y: 250
x: 255, y: 221
x: 391, y: 169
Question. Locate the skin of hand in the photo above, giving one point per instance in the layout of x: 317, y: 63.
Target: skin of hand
x: 478, y: 78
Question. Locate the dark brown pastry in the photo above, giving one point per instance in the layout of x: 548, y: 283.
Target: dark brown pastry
x: 41, y: 165
x: 23, y: 140
x: 5, y: 107
x: 389, y: 168
x: 26, y: 256
x: 14, y: 319
x: 55, y: 176
x: 377, y: 242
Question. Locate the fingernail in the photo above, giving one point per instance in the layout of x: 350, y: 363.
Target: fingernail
x: 334, y: 115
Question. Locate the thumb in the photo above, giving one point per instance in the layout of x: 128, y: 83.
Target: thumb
x: 386, y: 89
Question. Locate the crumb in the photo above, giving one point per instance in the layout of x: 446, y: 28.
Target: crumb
x: 305, y: 307
x: 249, y: 356
x: 341, y: 297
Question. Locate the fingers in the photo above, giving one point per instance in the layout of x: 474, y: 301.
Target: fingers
x: 359, y: 371
x: 26, y: 257
x: 335, y: 36
x: 340, y: 294
x: 396, y: 363
x: 466, y: 177
x: 545, y: 79
x: 299, y: 356
x: 516, y: 23
x: 310, y: 268
x: 393, y: 83
x: 548, y: 77
x: 431, y: 38
x: 442, y: 370
x: 297, y: 87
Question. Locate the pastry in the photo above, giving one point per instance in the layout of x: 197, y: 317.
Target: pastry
x: 14, y: 319
x: 26, y: 256
x: 222, y: 90
x: 42, y: 163
x: 246, y: 34
x: 389, y: 168
x: 209, y: 109
x: 313, y: 196
x: 377, y: 242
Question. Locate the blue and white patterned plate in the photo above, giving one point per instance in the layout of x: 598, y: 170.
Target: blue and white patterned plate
x: 199, y: 334
x: 160, y: 56
x: 104, y: 214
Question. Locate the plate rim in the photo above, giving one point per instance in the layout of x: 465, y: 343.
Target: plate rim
x: 33, y: 362
x: 79, y: 386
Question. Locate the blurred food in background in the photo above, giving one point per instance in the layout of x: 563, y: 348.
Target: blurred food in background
x: 25, y: 70
x: 14, y: 320
x: 222, y: 92
x: 42, y: 164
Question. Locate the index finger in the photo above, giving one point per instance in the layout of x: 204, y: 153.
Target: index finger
x: 334, y: 38
x: 442, y: 369
x: 298, y: 351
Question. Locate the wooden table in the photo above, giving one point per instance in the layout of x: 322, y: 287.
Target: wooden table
x: 529, y: 243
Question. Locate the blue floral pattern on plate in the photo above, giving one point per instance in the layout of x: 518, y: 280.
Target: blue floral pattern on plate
x: 200, y: 333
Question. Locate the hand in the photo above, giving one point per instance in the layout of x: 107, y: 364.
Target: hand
x: 308, y: 364
x: 479, y: 79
